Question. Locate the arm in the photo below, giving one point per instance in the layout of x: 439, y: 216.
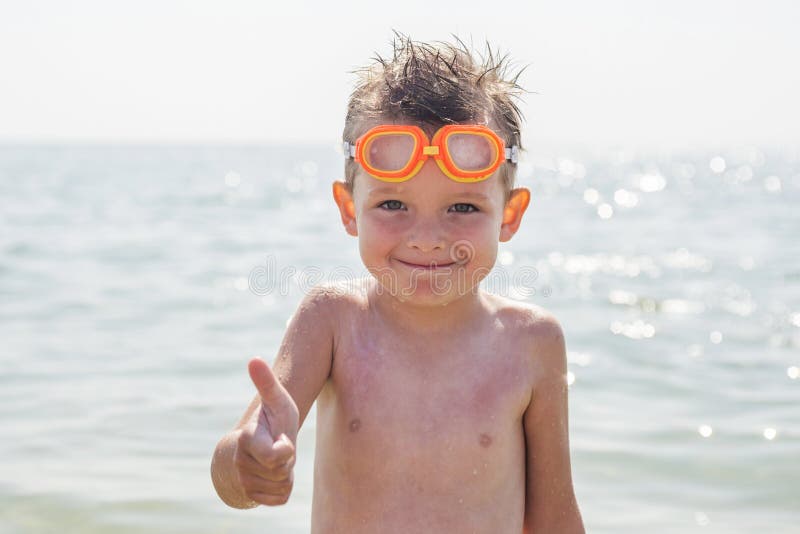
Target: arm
x: 252, y: 464
x: 550, y: 504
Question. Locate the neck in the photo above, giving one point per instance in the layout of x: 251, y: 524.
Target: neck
x: 425, y: 318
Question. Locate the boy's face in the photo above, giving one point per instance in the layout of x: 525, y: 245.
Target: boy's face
x: 429, y: 239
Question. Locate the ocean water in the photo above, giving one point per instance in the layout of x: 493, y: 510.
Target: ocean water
x: 136, y: 282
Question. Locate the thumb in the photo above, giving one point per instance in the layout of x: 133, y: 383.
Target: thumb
x: 266, y: 383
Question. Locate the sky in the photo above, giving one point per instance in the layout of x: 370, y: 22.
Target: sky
x: 657, y: 74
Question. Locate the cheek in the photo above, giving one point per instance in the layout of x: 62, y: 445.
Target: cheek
x: 384, y: 226
x: 376, y: 235
x: 481, y: 230
x: 486, y: 252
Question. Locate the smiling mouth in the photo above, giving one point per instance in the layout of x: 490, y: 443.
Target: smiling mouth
x: 432, y: 266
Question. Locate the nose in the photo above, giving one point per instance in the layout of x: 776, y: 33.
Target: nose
x: 426, y: 236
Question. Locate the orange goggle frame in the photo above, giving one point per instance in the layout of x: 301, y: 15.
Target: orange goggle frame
x: 437, y: 148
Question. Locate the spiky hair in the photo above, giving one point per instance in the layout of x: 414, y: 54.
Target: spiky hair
x: 434, y: 84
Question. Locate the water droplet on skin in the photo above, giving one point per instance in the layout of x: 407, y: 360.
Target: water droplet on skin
x: 355, y: 424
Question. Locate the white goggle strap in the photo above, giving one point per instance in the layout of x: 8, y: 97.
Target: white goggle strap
x: 512, y: 153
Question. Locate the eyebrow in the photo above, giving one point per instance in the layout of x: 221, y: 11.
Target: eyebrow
x: 388, y: 190
x: 469, y: 194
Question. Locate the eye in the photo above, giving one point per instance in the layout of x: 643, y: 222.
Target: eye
x: 391, y: 205
x: 463, y: 207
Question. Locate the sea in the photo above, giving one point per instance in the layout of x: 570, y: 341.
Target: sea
x: 137, y: 281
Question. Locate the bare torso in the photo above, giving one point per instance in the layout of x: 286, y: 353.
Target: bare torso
x: 422, y: 432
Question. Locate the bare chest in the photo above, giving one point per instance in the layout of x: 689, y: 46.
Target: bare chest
x: 444, y: 419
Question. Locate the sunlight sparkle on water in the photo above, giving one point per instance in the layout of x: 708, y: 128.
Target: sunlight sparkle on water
x: 505, y: 258
x: 770, y: 433
x: 618, y: 296
x: 683, y: 259
x: 715, y: 337
x: 747, y: 263
x: 581, y: 358
x: 705, y: 430
x: 635, y: 330
x: 570, y: 378
x: 605, y: 211
x: 650, y: 183
x: 566, y: 166
x: 701, y: 519
x: 695, y: 351
x: 772, y: 184
x: 626, y: 198
x: 793, y: 372
x: 682, y: 306
x: 717, y: 164
x: 591, y: 196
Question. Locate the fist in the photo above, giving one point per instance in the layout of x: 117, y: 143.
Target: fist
x: 265, y: 448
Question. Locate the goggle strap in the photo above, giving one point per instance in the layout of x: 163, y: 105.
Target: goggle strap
x: 512, y: 154
x: 349, y: 149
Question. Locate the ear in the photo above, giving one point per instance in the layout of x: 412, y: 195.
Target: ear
x: 515, y: 208
x: 344, y: 199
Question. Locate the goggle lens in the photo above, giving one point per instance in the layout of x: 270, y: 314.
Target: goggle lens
x: 471, y: 152
x: 389, y: 152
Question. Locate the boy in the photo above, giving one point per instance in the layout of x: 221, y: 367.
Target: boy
x: 440, y: 407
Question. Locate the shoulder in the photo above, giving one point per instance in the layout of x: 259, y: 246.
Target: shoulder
x: 333, y: 299
x: 539, y: 334
x: 527, y: 320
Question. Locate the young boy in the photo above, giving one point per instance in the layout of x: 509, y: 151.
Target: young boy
x: 440, y: 407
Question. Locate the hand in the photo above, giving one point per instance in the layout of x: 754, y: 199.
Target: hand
x: 265, y: 451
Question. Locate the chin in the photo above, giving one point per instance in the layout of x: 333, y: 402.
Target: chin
x: 427, y: 291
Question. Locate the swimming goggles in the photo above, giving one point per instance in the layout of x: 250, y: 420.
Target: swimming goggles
x: 464, y: 152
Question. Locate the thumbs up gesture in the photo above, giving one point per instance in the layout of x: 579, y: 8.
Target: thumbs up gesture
x: 265, y: 452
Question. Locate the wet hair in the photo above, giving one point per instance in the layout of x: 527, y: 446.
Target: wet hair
x: 432, y: 85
